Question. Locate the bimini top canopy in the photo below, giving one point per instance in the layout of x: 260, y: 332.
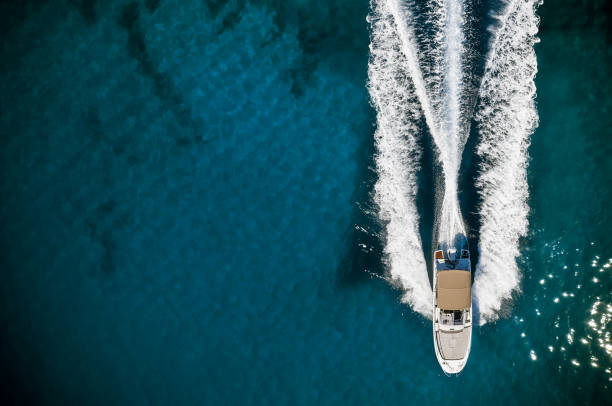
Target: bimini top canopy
x: 454, y: 290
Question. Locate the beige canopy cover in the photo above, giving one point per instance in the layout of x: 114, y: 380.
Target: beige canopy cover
x: 454, y: 290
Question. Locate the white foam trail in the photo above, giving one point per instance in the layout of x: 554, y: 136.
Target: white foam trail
x: 453, y: 136
x: 429, y: 53
x: 453, y: 81
x: 403, y: 21
x: 442, y: 113
x: 401, y: 90
x: 394, y: 95
x: 506, y: 117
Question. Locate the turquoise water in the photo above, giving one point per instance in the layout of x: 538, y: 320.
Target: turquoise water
x: 186, y: 214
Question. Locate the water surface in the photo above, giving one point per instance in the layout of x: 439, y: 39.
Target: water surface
x: 186, y: 214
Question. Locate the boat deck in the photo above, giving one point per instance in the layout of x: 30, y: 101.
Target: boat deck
x: 454, y: 345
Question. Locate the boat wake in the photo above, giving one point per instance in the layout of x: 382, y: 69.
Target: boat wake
x: 506, y: 117
x: 418, y: 76
x: 398, y: 111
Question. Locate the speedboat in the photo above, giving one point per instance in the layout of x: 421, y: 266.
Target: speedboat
x: 452, y: 308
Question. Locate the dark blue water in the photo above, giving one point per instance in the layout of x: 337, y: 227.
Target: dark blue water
x: 185, y: 214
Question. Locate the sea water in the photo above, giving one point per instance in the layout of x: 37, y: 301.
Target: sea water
x: 197, y: 205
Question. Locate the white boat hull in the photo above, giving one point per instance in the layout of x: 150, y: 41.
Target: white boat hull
x: 452, y: 337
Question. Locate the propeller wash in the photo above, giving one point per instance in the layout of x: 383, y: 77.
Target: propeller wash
x: 420, y: 71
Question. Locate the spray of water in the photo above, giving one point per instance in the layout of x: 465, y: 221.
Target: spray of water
x: 398, y: 110
x: 404, y: 88
x: 506, y: 117
x: 453, y: 136
x: 439, y: 94
x: 400, y: 92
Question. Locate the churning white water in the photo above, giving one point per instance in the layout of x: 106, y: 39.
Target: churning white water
x: 452, y: 136
x: 398, y: 109
x: 506, y: 116
x: 411, y: 76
